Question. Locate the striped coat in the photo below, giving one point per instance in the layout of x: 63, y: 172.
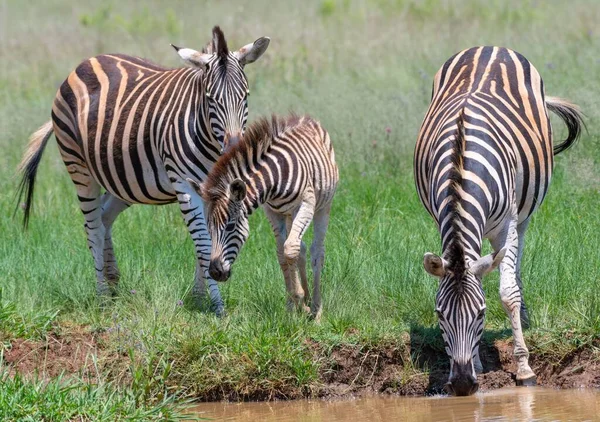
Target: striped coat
x: 137, y: 131
x: 483, y: 164
x: 287, y: 166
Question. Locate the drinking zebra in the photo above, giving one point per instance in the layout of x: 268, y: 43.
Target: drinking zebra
x: 139, y: 131
x: 287, y: 165
x: 482, y: 164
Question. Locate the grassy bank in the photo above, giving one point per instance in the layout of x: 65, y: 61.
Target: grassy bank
x: 364, y: 69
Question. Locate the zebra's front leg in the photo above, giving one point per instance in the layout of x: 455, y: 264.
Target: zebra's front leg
x: 111, y: 208
x: 521, y: 228
x: 293, y: 245
x: 510, y: 294
x: 192, y: 209
x: 200, y: 287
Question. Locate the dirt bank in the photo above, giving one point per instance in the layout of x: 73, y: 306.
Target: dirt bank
x: 406, y: 368
x: 358, y: 370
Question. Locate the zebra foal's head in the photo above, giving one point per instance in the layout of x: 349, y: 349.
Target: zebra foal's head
x: 227, y: 222
x: 225, y: 84
x: 460, y: 307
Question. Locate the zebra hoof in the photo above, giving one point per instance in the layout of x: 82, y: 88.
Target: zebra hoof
x: 220, y: 312
x: 527, y: 382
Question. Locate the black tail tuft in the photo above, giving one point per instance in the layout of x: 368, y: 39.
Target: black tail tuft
x: 573, y: 118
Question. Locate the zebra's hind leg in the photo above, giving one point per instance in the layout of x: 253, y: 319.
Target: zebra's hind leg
x: 111, y: 208
x: 302, y: 270
x: 90, y: 203
x: 510, y: 295
x: 317, y: 259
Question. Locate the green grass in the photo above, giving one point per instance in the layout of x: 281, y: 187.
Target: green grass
x: 359, y: 67
x: 63, y: 399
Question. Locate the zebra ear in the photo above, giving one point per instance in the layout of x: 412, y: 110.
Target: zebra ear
x: 237, y: 190
x: 198, y: 187
x: 251, y: 52
x: 192, y: 57
x: 487, y: 263
x: 434, y: 265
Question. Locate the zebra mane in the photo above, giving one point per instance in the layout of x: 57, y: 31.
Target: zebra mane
x: 456, y: 252
x: 218, y: 44
x: 257, y: 139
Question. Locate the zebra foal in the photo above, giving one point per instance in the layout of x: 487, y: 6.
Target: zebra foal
x: 138, y: 131
x: 287, y: 165
x: 483, y: 162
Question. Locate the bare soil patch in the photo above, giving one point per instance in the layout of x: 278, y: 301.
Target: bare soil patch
x: 77, y: 352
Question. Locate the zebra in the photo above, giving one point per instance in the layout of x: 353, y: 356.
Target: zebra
x: 288, y: 165
x: 482, y: 166
x: 138, y: 131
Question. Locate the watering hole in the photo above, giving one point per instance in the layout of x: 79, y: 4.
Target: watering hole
x: 509, y: 404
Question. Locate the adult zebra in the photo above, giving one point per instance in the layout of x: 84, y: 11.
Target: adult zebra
x: 139, y: 131
x: 482, y: 164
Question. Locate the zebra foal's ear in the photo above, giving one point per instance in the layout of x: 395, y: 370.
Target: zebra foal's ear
x: 434, y: 265
x: 237, y: 190
x: 198, y: 187
x: 487, y: 263
x: 192, y: 57
x: 251, y: 52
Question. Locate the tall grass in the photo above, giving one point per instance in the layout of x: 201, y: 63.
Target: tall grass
x: 364, y: 68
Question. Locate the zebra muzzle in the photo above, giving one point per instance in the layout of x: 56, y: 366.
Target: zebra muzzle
x: 217, y: 272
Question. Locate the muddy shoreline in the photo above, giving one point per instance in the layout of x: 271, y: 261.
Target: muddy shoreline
x: 411, y: 368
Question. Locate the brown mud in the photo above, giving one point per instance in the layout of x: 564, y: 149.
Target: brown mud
x: 406, y: 368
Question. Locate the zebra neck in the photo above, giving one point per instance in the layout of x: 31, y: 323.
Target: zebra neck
x: 200, y: 129
x: 460, y: 233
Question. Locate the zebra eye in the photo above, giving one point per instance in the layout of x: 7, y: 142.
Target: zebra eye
x: 481, y: 314
x: 440, y: 316
x: 230, y: 226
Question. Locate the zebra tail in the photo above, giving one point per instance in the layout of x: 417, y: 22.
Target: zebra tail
x: 28, y: 167
x: 573, y: 118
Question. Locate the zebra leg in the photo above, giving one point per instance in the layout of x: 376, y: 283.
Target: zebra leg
x: 111, y: 208
x: 317, y: 258
x: 90, y: 203
x: 521, y: 228
x: 199, y: 291
x: 302, y: 270
x: 293, y: 244
x: 510, y: 294
x: 192, y: 209
x: 280, y: 225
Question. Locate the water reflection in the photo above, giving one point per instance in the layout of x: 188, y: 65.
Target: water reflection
x: 512, y: 404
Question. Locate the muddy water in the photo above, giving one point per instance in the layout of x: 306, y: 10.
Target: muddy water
x: 512, y: 404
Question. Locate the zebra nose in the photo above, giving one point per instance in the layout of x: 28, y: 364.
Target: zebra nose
x: 216, y: 271
x: 462, y: 383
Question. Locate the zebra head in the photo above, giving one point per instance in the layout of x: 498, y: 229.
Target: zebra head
x: 225, y: 84
x: 460, y: 307
x: 227, y: 222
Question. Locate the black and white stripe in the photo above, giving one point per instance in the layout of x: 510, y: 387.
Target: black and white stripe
x: 483, y: 163
x: 138, y: 131
x: 287, y: 165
